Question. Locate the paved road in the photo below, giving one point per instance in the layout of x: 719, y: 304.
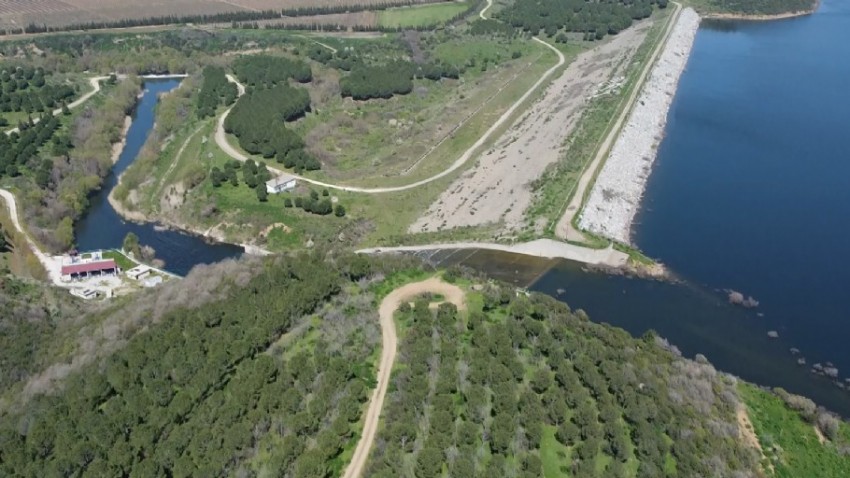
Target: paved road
x: 389, y: 344
x: 224, y: 144
x: 565, y: 229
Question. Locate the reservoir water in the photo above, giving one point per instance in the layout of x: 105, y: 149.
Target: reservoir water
x: 103, y: 228
x: 751, y: 192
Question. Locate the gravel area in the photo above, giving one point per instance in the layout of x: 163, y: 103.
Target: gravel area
x: 615, y: 197
x: 498, y: 188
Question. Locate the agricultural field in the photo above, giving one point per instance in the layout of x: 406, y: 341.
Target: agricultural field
x: 15, y: 14
x: 423, y: 15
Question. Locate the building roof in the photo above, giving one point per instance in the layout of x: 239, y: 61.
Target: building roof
x: 92, y: 266
x: 282, y: 179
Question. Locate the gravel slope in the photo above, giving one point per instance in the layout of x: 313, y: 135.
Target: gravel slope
x: 615, y: 198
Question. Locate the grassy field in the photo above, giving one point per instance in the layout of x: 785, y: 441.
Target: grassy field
x: 391, y: 142
x: 790, y: 443
x: 422, y: 15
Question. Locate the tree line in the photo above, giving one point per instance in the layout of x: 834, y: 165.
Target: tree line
x: 266, y: 71
x: 238, y: 16
x: 215, y: 91
x: 593, y: 19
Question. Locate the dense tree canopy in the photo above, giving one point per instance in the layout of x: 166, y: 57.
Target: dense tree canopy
x: 382, y: 81
x: 594, y: 19
x: 267, y: 71
x: 196, y: 393
x: 259, y: 116
x: 215, y: 91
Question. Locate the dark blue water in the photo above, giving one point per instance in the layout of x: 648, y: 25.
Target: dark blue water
x: 751, y: 191
x: 103, y: 228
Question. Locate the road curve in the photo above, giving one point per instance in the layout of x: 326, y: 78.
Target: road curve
x: 484, y: 10
x: 224, y: 144
x: 95, y: 84
x: 564, y: 228
x: 389, y: 343
x: 43, y: 258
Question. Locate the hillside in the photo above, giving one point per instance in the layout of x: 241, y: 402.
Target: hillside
x: 265, y: 369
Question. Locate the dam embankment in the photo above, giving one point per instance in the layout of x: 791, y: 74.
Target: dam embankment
x: 615, y: 197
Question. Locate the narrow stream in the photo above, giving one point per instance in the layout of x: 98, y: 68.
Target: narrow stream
x: 103, y: 228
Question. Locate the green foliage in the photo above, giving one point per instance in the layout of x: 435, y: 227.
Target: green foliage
x: 525, y: 370
x: 381, y: 81
x: 786, y: 432
x: 268, y: 71
x: 760, y: 7
x: 258, y: 120
x: 215, y: 91
x: 594, y: 19
x: 339, y: 211
x: 24, y: 89
x: 186, y: 396
x: 131, y: 245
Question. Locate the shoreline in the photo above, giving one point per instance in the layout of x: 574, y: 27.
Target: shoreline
x: 761, y: 18
x: 118, y: 146
x: 616, y: 195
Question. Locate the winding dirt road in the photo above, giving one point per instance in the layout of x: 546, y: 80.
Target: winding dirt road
x: 95, y: 84
x: 565, y: 228
x: 389, y: 343
x: 224, y: 144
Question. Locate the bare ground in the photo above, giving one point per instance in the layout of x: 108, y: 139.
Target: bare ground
x: 498, y: 188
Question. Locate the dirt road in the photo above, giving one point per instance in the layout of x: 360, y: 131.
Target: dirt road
x: 565, y: 229
x: 498, y: 188
x: 46, y: 261
x: 389, y: 340
x: 95, y: 84
x: 224, y: 144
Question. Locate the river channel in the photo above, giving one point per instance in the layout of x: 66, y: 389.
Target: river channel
x: 103, y: 228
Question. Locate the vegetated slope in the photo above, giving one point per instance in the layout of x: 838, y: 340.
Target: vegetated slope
x: 31, y: 316
x: 522, y: 386
x: 197, y: 394
x: 798, y: 438
x: 761, y: 7
x: 266, y: 373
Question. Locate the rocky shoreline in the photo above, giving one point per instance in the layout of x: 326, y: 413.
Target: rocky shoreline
x: 616, y: 195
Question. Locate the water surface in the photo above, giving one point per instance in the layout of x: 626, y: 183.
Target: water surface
x: 103, y: 228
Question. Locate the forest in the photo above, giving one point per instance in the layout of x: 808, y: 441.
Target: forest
x: 594, y: 19
x: 262, y: 367
x: 381, y: 81
x: 215, y: 91
x: 258, y: 119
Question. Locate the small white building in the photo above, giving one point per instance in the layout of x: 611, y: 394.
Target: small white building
x: 138, y: 272
x: 282, y: 183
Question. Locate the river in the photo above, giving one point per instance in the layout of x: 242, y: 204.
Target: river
x: 103, y: 228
